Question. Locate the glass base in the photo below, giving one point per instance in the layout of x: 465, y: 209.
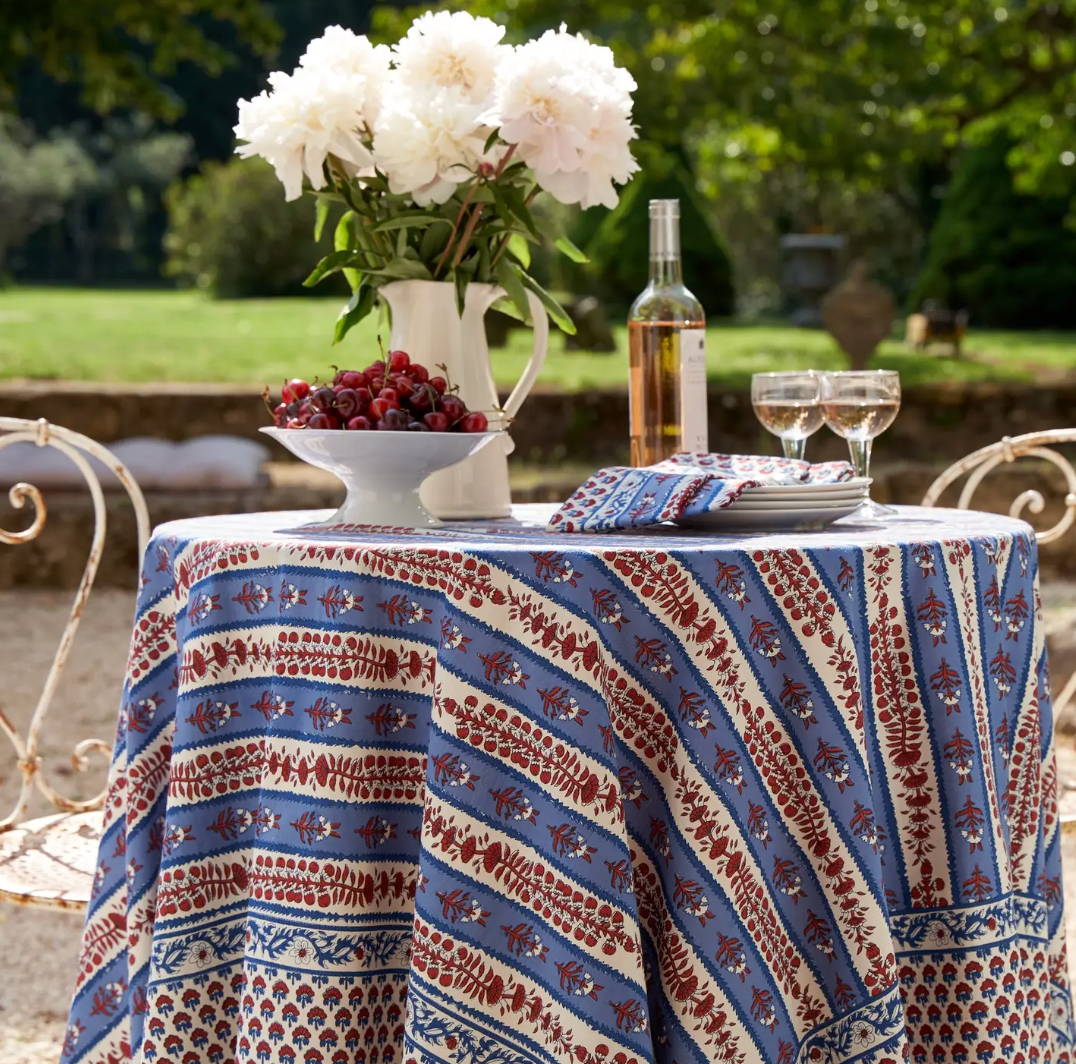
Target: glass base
x: 871, y: 512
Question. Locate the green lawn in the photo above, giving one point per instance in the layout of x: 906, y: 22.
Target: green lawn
x: 182, y: 336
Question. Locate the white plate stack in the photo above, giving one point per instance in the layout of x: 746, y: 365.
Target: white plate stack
x: 787, y: 506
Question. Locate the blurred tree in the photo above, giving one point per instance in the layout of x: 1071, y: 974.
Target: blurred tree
x: 1004, y: 256
x: 120, y: 54
x: 839, y: 88
x: 126, y: 165
x: 37, y: 178
x: 618, y: 246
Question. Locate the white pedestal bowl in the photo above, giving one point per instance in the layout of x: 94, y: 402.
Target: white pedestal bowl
x: 382, y: 471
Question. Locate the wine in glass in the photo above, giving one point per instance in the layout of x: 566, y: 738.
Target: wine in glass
x: 860, y: 405
x: 787, y: 404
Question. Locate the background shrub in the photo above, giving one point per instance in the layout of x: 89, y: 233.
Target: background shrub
x: 230, y: 231
x: 1005, y: 257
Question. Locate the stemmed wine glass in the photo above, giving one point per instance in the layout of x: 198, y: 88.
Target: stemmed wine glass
x: 860, y: 405
x: 787, y: 404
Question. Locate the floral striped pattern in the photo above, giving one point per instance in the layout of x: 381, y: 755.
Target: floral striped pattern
x: 470, y: 796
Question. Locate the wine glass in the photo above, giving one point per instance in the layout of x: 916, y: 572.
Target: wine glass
x: 787, y: 404
x: 860, y: 405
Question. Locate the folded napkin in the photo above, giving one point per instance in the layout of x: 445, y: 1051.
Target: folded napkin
x: 684, y: 485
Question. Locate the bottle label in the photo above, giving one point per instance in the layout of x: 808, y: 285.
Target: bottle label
x: 694, y: 432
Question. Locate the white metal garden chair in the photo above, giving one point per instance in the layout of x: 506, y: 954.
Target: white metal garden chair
x: 982, y: 462
x: 50, y: 861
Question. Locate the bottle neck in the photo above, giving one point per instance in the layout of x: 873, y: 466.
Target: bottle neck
x: 665, y: 266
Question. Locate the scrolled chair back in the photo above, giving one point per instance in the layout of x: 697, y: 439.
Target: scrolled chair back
x: 24, y: 873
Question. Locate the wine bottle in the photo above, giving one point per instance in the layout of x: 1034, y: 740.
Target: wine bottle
x: 667, y: 344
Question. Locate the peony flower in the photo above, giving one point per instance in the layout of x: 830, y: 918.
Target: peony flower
x: 566, y: 106
x: 451, y: 49
x: 321, y: 108
x: 343, y: 52
x: 428, y: 141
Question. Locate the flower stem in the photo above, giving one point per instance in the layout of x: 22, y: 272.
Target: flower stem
x: 455, y: 228
x: 461, y: 248
x: 472, y: 221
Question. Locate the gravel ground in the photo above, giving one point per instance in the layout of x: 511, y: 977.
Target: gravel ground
x: 34, y: 998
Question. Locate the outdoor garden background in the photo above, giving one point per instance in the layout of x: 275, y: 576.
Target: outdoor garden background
x: 150, y: 282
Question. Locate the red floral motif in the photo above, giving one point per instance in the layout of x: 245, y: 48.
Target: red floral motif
x: 800, y: 592
x: 153, y: 640
x: 694, y: 712
x: 579, y: 649
x: 581, y: 916
x: 467, y: 970
x: 210, y: 557
x: 146, y: 780
x: 335, y: 884
x: 846, y: 576
x: 183, y: 889
x: 368, y: 777
x: 335, y: 656
x: 1022, y: 800
x: 932, y: 614
x: 549, y: 565
x: 459, y: 576
x: 103, y: 934
x: 903, y: 727
x: 731, y: 583
x: 796, y: 698
x: 516, y: 740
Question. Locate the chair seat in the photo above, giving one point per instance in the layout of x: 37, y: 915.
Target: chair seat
x: 51, y: 861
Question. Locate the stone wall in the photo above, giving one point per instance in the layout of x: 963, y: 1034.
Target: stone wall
x: 939, y: 423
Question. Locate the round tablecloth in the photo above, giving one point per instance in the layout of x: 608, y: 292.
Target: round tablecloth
x: 486, y: 795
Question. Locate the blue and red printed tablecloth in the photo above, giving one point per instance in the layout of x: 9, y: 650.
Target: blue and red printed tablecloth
x: 489, y: 796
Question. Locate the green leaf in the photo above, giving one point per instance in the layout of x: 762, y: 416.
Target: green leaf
x: 508, y: 278
x: 321, y: 217
x: 344, y: 236
x: 460, y: 279
x: 519, y: 208
x: 491, y: 140
x: 564, y: 245
x: 401, y: 243
x: 433, y: 242
x: 518, y: 246
x: 556, y: 311
x: 357, y: 307
x: 400, y: 269
x: 506, y: 306
x: 330, y: 264
x: 408, y: 221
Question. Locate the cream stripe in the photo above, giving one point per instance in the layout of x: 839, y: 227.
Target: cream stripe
x: 904, y: 736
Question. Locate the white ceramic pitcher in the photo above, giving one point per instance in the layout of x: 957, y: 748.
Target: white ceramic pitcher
x: 426, y: 324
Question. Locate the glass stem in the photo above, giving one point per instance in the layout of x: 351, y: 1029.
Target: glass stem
x: 860, y: 450
x: 794, y: 448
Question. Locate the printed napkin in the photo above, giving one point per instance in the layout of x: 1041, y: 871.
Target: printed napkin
x: 685, y: 485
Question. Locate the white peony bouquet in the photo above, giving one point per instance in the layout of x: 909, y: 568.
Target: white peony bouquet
x: 438, y: 146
